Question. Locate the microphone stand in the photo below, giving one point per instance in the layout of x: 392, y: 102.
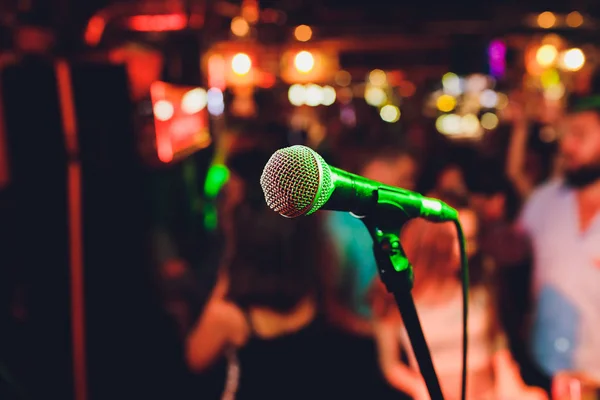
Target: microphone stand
x: 397, y: 274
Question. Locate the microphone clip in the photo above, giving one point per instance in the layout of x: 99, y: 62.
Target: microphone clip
x: 395, y: 270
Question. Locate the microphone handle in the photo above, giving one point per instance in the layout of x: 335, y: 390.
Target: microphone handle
x: 363, y: 196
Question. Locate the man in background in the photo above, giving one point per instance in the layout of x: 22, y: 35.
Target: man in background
x: 562, y: 219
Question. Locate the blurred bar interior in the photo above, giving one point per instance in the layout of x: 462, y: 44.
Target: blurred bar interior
x: 118, y: 121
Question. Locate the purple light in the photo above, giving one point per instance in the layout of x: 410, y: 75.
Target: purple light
x: 348, y: 116
x: 497, y: 58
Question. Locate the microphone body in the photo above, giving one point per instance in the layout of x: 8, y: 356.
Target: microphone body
x: 365, y: 197
x: 297, y: 181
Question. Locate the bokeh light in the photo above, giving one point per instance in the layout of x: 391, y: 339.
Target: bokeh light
x: 194, y: 101
x: 375, y: 96
x: 448, y: 124
x: 489, y: 121
x: 297, y: 95
x: 239, y: 26
x: 446, y: 103
x: 390, y: 113
x: 328, y: 96
x: 241, y: 64
x: 314, y: 95
x: 303, y: 33
x: 573, y: 59
x: 163, y: 110
x: 546, y: 20
x: 215, y: 103
x: 304, y: 61
x: 488, y: 99
x: 574, y: 19
x: 476, y: 83
x: 377, y: 77
x: 546, y: 55
x: 453, y: 85
x: 497, y: 58
x: 469, y: 124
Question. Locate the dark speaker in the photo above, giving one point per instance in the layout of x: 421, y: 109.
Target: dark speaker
x: 88, y: 204
x: 133, y: 347
x: 35, y: 337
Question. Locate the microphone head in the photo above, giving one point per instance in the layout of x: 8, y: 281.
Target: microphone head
x: 296, y: 181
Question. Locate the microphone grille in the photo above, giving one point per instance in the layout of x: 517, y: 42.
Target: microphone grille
x: 296, y: 181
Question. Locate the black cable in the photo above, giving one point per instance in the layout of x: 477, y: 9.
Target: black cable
x: 410, y: 318
x: 464, y: 270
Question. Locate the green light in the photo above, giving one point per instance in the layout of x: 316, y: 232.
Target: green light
x: 217, y: 176
x: 210, y: 218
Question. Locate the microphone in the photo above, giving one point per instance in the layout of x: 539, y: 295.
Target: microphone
x: 296, y: 181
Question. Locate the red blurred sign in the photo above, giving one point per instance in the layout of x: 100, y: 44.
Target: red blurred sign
x: 180, y: 120
x: 158, y: 23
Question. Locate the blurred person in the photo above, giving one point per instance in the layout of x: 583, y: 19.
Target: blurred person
x: 265, y: 311
x: 433, y: 250
x: 506, y: 254
x: 353, y: 246
x: 562, y: 220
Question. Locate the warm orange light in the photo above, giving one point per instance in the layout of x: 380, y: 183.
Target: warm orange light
x: 239, y: 26
x: 303, y: 33
x: 158, y: 23
x: 546, y: 20
x: 304, y: 61
x: 241, y: 64
x: 575, y: 19
x: 250, y: 10
x: 308, y: 66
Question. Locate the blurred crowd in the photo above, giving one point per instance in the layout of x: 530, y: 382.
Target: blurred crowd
x: 298, y: 310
